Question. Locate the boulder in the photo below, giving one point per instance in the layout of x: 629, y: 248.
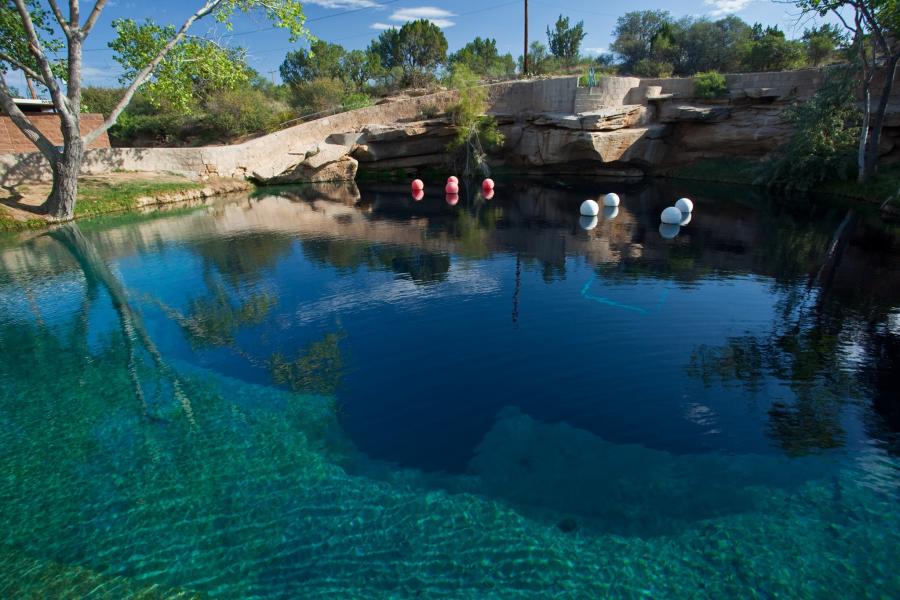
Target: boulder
x: 403, y: 140
x: 533, y: 146
x: 614, y: 117
x: 342, y: 169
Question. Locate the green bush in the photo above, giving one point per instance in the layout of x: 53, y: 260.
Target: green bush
x: 147, y: 129
x: 318, y: 95
x: 653, y: 68
x: 823, y: 144
x: 710, y: 84
x: 429, y: 111
x: 241, y: 112
x: 100, y: 100
x: 475, y: 132
x: 356, y: 100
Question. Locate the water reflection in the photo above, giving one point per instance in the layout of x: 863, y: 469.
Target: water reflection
x: 829, y: 343
x: 604, y: 406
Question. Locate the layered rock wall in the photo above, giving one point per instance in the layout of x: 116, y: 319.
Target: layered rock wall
x: 625, y: 126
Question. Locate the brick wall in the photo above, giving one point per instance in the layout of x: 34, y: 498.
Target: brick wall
x: 13, y: 141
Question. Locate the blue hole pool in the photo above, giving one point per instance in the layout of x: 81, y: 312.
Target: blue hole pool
x: 332, y: 391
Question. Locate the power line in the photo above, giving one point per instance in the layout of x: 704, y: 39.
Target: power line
x: 273, y: 27
x: 322, y: 18
x: 463, y: 14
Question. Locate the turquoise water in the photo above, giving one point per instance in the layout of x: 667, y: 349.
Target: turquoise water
x: 340, y: 393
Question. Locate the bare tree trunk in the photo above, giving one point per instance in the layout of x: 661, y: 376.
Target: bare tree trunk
x: 864, y: 133
x: 870, y: 164
x: 61, y: 202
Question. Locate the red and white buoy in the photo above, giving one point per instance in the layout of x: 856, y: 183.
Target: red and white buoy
x: 418, y: 184
x: 452, y: 187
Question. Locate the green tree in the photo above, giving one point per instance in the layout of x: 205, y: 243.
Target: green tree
x: 357, y: 68
x: 874, y: 26
x: 213, y: 68
x: 634, y: 34
x: 705, y: 45
x: 423, y: 48
x: 821, y: 42
x: 321, y: 60
x: 475, y: 132
x: 565, y: 41
x: 319, y: 94
x: 386, y: 47
x: 481, y: 57
x: 15, y: 40
x: 825, y: 130
x: 540, y: 61
x: 770, y: 50
x: 27, y: 44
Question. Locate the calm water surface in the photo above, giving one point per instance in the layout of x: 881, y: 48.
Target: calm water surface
x: 341, y: 393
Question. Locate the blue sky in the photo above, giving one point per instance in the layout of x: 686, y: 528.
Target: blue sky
x: 353, y: 23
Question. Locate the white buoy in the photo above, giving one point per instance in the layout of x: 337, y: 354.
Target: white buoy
x: 611, y: 200
x: 610, y: 212
x: 587, y: 223
x: 684, y: 205
x: 668, y: 231
x: 670, y: 216
x: 590, y: 208
x: 685, y: 219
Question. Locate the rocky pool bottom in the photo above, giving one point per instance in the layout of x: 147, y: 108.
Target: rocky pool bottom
x: 129, y: 467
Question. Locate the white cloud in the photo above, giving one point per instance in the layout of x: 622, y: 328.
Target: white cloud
x: 344, y: 3
x: 595, y: 50
x: 99, y: 75
x: 381, y: 26
x: 436, y: 15
x: 720, y: 8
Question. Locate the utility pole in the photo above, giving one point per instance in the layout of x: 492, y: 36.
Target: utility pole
x: 272, y: 73
x: 525, y: 54
x: 30, y: 85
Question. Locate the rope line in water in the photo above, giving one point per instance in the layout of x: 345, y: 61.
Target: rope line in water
x: 602, y: 300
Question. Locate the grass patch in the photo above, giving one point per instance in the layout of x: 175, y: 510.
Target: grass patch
x: 99, y: 197
x: 10, y: 224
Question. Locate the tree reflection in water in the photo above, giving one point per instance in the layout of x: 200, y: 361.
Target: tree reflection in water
x: 808, y: 347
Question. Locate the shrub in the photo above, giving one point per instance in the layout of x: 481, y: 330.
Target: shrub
x: 429, y: 111
x: 474, y: 131
x: 356, y: 100
x: 653, y: 68
x: 823, y: 144
x: 142, y: 129
x: 100, y: 100
x: 710, y: 84
x: 318, y: 95
x: 241, y: 112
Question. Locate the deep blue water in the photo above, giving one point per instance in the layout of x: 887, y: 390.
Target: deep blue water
x: 286, y: 380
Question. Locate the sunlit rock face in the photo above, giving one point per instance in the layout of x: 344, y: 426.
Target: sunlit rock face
x: 341, y: 169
